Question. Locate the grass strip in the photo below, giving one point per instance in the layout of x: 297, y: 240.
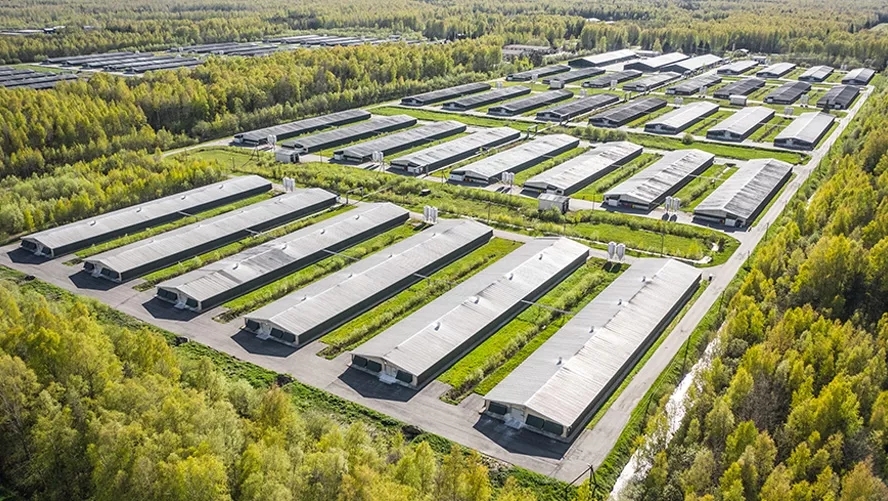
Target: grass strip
x: 702, y: 126
x: 391, y: 311
x: 156, y: 230
x: 595, y: 191
x: 717, y: 149
x: 526, y: 174
x: 281, y: 287
x: 701, y: 186
x: 502, y: 345
x: 196, y: 262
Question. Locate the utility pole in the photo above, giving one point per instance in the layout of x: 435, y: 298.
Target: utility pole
x: 593, y: 483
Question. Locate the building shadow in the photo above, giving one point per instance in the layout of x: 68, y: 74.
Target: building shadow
x: 163, y: 310
x: 23, y: 256
x: 369, y: 386
x: 522, y: 442
x: 249, y: 342
x: 84, y: 280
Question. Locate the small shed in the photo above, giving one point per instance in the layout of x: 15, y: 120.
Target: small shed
x: 549, y: 200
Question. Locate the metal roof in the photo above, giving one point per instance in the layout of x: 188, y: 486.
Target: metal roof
x: 335, y: 137
x: 860, y: 76
x: 448, y: 93
x: 401, y: 140
x: 629, y: 111
x: 788, y: 92
x: 682, y: 117
x: 606, y: 79
x: 162, y: 209
x: 737, y: 67
x: 658, y: 62
x: 746, y: 191
x: 739, y: 88
x: 607, y: 58
x: 807, y: 128
x: 303, y: 126
x: 776, y: 70
x: 577, y: 107
x: 841, y: 95
x: 315, y: 305
x: 743, y: 121
x: 497, y: 294
x: 523, y: 76
x: 652, y: 82
x: 574, y: 368
x: 696, y: 63
x: 583, y: 169
x: 816, y: 73
x: 193, y: 236
x: 653, y: 182
x: 476, y: 100
x: 530, y: 102
x: 453, y: 149
x: 693, y: 85
x: 520, y: 157
x: 574, y: 75
x: 307, y: 244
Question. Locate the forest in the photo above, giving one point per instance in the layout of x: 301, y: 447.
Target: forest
x: 792, y: 405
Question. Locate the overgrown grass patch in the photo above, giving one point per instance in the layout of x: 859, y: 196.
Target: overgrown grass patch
x: 700, y: 128
x: 769, y: 130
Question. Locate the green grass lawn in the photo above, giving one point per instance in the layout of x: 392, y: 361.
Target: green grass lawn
x: 639, y: 122
x: 421, y: 114
x: 717, y: 149
x: 156, y: 230
x: 699, y: 188
x: 391, y: 311
x: 595, y: 191
x: 231, y: 249
x: 700, y: 128
x: 769, y: 130
x: 228, y: 157
x: 502, y: 348
x: 294, y: 281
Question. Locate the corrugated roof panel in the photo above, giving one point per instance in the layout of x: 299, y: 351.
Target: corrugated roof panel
x: 748, y: 189
x: 304, y: 126
x: 534, y: 151
x: 335, y: 137
x: 396, y: 142
x: 653, y: 182
x: 776, y: 70
x: 683, y: 117
x: 448, y: 93
x: 737, y: 67
x: 452, y: 149
x: 530, y: 102
x: 743, y: 121
x: 581, y: 170
x: 808, y: 127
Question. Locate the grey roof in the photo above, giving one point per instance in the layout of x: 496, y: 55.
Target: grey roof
x: 695, y: 63
x: 776, y: 70
x: 523, y: 76
x: 658, y: 62
x: 518, y: 158
x: 682, y: 117
x: 583, y: 169
x: 816, y: 73
x: 693, y: 85
x: 577, y: 107
x: 530, y: 102
x: 737, y: 67
x: 453, y: 149
x: 606, y: 79
x: 841, y: 95
x: 143, y: 214
x: 335, y: 137
x: 574, y: 75
x: 607, y: 58
x: 739, y: 88
x: 788, y: 92
x: 628, y: 111
x: 269, y: 258
x: 743, y: 121
x: 859, y: 76
x: 303, y: 126
x: 476, y: 100
x: 653, y: 182
x: 575, y: 367
x: 314, y: 305
x: 443, y: 328
x: 652, y: 82
x: 401, y: 140
x: 448, y: 93
x: 807, y: 128
x: 746, y: 191
x: 193, y: 236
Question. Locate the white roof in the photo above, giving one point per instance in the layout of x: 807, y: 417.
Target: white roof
x: 193, y: 236
x: 596, y: 344
x: 577, y: 171
x: 742, y: 194
x: 269, y: 258
x: 611, y: 57
x: 777, y: 69
x: 816, y: 73
x: 652, y: 183
x: 808, y: 127
x: 664, y: 60
x: 536, y: 150
x: 494, y: 296
x: 683, y: 116
x: 142, y: 214
x: 312, y: 306
x: 738, y: 66
x: 744, y: 120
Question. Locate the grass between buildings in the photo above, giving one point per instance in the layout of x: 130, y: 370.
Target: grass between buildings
x: 423, y: 114
x: 156, y: 230
x: 595, y: 191
x: 196, y: 262
x: 503, y: 347
x: 769, y: 130
x: 228, y: 157
x: 283, y: 286
x: 423, y: 146
x: 393, y: 310
x: 526, y: 174
x: 639, y: 122
x: 717, y: 149
x: 700, y: 128
x: 700, y: 187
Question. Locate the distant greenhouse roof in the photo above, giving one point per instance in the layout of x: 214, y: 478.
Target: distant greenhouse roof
x: 742, y: 194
